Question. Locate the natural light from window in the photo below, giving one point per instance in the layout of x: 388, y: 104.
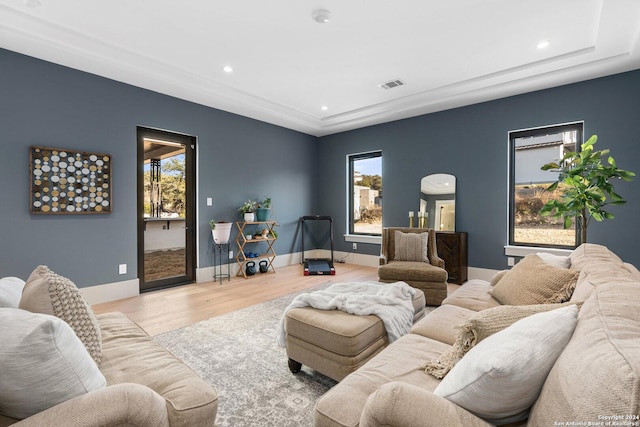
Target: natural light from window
x: 365, y: 210
x: 529, y: 150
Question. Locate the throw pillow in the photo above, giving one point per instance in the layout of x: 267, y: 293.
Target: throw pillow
x: 48, y: 293
x: 496, y: 277
x: 501, y: 377
x: 480, y: 326
x: 10, y: 291
x: 43, y: 363
x: 555, y: 260
x: 411, y: 246
x: 533, y: 281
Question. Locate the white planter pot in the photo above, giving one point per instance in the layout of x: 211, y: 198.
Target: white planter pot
x: 249, y: 217
x: 222, y: 232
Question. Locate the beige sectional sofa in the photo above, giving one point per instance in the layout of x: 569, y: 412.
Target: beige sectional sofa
x: 595, y: 379
x: 131, y: 381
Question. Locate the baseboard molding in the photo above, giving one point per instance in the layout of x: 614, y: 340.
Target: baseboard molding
x: 111, y: 291
x: 357, y: 259
x: 481, y: 273
x: 130, y: 288
x: 205, y: 274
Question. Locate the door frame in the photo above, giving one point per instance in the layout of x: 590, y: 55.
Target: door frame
x: 189, y: 142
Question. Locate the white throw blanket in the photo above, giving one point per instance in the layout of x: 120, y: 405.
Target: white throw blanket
x: 391, y: 302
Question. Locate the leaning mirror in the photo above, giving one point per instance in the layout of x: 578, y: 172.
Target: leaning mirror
x: 438, y: 202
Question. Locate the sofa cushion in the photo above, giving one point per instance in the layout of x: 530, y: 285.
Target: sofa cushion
x: 474, y: 295
x: 129, y: 354
x: 49, y: 293
x: 598, y: 373
x: 43, y: 363
x: 479, y: 326
x: 500, y: 378
x: 408, y: 271
x: 588, y: 253
x: 597, y: 266
x: 10, y: 291
x: 343, y: 404
x: 533, y: 281
x: 440, y: 324
x: 411, y: 246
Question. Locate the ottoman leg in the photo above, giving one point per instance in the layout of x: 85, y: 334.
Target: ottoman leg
x: 294, y: 366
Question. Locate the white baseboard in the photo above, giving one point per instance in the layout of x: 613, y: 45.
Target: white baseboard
x: 481, y: 273
x: 205, y: 274
x: 111, y: 291
x: 130, y: 288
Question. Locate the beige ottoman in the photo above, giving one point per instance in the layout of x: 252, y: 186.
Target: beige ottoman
x: 336, y: 343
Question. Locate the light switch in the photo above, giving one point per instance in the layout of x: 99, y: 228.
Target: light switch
x: 209, y: 201
x: 122, y: 269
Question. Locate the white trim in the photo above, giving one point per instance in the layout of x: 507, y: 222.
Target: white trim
x: 361, y: 238
x: 111, y: 291
x: 526, y: 250
x: 481, y: 273
x: 205, y: 274
x: 357, y: 259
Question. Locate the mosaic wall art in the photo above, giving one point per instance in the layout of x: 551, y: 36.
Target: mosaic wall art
x: 69, y: 182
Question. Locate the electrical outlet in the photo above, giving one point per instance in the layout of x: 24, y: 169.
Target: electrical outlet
x: 355, y: 246
x: 511, y: 261
x: 122, y: 269
x: 230, y: 254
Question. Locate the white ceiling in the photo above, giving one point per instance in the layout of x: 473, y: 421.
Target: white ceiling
x: 286, y: 66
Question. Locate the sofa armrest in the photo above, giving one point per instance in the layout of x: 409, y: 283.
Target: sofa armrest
x: 402, y: 404
x: 437, y: 261
x: 123, y: 405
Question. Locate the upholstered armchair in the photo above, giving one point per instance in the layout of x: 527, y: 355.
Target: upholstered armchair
x: 410, y: 255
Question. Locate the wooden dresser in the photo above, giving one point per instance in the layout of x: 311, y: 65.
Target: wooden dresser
x: 452, y: 248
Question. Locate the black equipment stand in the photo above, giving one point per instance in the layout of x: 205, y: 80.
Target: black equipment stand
x: 315, y: 266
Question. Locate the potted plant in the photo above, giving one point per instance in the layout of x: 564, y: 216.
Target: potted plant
x: 220, y: 230
x: 263, y: 209
x: 248, y: 208
x: 587, y: 185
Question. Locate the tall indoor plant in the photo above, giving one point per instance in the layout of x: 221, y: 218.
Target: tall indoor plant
x: 587, y: 187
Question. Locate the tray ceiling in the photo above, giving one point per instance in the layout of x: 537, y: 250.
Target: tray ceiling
x: 323, y: 78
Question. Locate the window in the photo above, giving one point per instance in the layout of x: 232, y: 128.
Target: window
x: 528, y: 151
x: 365, y: 188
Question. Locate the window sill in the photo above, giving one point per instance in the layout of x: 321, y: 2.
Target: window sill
x: 358, y: 238
x: 521, y: 251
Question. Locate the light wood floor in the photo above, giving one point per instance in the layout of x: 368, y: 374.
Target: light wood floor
x: 174, y: 308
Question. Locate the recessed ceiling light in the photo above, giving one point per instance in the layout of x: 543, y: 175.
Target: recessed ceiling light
x: 227, y: 69
x: 543, y: 44
x: 324, y: 108
x: 321, y: 16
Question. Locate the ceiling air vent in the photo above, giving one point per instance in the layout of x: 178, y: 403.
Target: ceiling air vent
x: 391, y: 84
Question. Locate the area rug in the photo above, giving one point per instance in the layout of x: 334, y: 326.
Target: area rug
x: 237, y: 354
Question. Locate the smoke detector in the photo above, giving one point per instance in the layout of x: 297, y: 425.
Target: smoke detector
x: 321, y: 16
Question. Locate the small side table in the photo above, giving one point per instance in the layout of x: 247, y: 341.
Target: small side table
x: 219, y: 250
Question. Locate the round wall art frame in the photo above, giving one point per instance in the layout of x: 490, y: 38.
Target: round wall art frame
x: 69, y: 182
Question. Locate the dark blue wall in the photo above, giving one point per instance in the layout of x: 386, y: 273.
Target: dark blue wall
x: 471, y: 143
x: 239, y: 158
x: 49, y: 105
